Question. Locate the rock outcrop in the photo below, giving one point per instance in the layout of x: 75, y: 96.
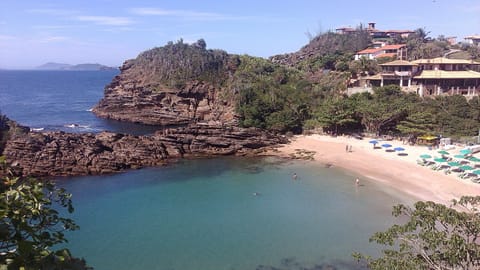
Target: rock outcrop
x: 177, y: 84
x: 66, y: 154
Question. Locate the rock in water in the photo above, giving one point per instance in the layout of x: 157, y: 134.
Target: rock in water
x: 67, y: 154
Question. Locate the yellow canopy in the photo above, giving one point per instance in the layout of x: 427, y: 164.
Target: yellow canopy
x: 428, y: 137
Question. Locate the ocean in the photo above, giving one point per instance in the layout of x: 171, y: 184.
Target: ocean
x: 60, y: 101
x: 209, y: 214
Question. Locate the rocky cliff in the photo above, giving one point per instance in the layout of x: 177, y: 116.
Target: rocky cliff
x: 177, y: 84
x: 66, y: 154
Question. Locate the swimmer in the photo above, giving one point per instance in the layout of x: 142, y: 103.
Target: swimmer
x: 256, y: 193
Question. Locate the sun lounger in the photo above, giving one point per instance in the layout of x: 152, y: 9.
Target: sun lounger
x: 421, y: 162
x: 467, y: 175
x: 475, y: 180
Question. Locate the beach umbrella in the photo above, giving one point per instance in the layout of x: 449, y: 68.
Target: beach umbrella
x: 440, y: 160
x: 399, y: 149
x: 477, y: 172
x: 425, y: 156
x: 466, y: 168
x: 465, y: 151
x: 386, y: 145
x: 474, y: 159
x: 459, y: 156
x: 454, y: 163
x: 373, y: 142
x: 443, y: 152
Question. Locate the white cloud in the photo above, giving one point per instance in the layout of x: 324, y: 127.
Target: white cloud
x: 106, y: 20
x: 52, y: 39
x: 52, y: 11
x: 6, y: 37
x: 186, y: 14
x: 52, y: 27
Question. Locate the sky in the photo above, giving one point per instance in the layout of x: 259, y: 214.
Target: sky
x: 108, y: 32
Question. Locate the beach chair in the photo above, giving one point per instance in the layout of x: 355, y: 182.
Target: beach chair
x: 467, y: 175
x: 475, y: 180
x: 421, y: 162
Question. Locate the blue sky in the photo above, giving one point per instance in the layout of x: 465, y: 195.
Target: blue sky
x: 34, y: 32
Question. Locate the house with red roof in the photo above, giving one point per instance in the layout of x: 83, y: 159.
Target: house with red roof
x: 398, y: 51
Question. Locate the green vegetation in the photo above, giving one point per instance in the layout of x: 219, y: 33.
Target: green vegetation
x: 175, y: 64
x: 390, y: 111
x: 434, y: 236
x: 304, y: 90
x: 270, y: 96
x: 286, y: 105
x: 31, y: 224
x: 324, y: 68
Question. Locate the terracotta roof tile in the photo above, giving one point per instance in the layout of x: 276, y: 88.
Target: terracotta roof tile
x: 368, y: 51
x: 386, y: 55
x: 393, y: 46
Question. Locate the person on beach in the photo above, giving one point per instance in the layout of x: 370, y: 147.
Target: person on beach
x: 346, y: 148
x: 350, y: 148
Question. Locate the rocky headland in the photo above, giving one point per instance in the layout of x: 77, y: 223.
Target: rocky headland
x: 188, y: 91
x: 178, y: 84
x: 67, y: 154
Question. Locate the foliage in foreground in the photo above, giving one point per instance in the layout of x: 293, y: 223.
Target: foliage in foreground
x: 435, y: 236
x: 30, y: 225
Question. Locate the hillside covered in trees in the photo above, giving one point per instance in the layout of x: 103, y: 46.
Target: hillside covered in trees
x: 183, y: 83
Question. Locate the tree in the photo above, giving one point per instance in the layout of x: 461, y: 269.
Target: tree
x: 364, y: 66
x: 455, y: 115
x: 384, y: 108
x: 270, y: 96
x: 417, y: 123
x: 433, y: 237
x: 335, y: 113
x: 30, y: 224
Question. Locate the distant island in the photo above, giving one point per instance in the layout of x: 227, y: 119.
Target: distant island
x: 62, y: 66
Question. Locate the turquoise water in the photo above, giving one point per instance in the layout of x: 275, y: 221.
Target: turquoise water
x: 203, y: 214
x: 200, y: 214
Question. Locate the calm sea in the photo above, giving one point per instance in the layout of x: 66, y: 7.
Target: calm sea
x: 209, y: 214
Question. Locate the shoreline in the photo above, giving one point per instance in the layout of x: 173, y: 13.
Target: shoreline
x: 399, y: 172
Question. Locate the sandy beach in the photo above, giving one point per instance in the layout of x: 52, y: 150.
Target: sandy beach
x: 400, y: 172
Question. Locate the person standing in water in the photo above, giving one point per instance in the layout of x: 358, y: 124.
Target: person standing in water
x: 357, y: 182
x: 294, y: 176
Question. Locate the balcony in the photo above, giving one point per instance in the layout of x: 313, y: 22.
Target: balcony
x: 403, y: 73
